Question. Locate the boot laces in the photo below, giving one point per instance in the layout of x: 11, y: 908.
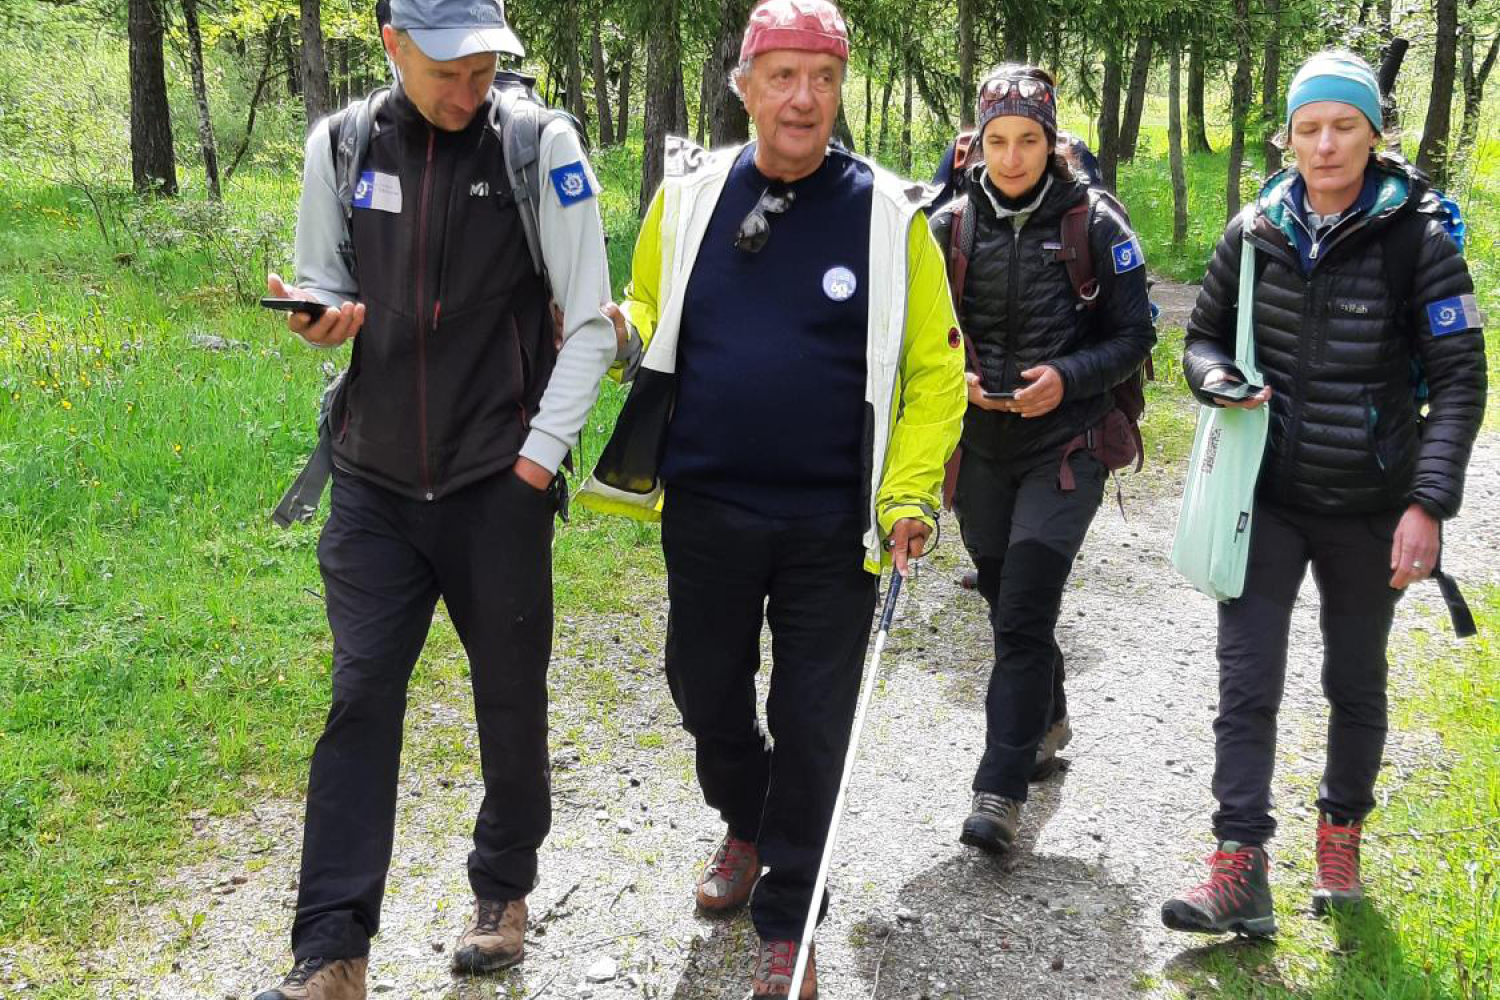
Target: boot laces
x: 730, y: 859
x: 490, y: 913
x: 1227, y: 884
x: 1338, y: 855
x: 990, y: 804
x: 304, y: 970
x: 782, y: 957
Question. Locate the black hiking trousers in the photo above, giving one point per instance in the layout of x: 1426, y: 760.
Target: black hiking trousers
x: 1350, y: 557
x: 385, y: 560
x: 730, y: 570
x: 1023, y: 531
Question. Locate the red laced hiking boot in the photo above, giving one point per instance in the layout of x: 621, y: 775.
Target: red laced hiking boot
x: 774, y: 965
x: 1236, y: 899
x: 1338, y: 887
x: 729, y: 876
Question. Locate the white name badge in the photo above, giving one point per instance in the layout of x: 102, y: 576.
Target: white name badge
x: 381, y: 192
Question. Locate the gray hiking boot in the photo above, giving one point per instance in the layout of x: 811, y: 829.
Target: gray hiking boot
x: 1338, y: 886
x: 494, y: 938
x: 321, y: 979
x: 992, y: 823
x: 1058, y: 735
x: 1236, y: 899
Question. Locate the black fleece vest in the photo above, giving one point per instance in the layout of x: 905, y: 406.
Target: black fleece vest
x: 457, y: 343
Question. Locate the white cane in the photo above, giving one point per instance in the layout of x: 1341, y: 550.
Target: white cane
x: 886, y: 614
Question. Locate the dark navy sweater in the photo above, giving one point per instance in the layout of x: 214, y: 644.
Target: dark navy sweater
x: 771, y: 354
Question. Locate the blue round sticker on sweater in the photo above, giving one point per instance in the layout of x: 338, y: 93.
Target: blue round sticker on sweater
x: 839, y: 283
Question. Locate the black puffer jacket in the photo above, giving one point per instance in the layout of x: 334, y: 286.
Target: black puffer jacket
x: 1020, y: 310
x: 1337, y: 350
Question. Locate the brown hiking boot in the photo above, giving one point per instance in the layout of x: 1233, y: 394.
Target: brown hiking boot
x: 1058, y: 736
x: 774, y: 965
x: 992, y: 823
x: 322, y: 979
x: 494, y: 939
x: 730, y: 875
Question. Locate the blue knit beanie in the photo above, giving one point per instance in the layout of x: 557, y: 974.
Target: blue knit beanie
x: 1336, y: 76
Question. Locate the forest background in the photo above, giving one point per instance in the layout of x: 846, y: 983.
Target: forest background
x: 163, y: 654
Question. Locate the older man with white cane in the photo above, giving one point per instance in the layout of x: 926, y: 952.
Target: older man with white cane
x: 798, y: 386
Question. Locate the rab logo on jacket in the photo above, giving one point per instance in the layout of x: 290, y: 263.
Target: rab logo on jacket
x: 1453, y: 315
x: 1127, y: 255
x: 571, y: 183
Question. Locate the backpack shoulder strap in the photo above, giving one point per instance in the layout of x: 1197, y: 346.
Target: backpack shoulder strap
x: 519, y: 123
x: 349, y: 133
x: 1399, y: 256
x: 961, y: 237
x: 1077, y: 255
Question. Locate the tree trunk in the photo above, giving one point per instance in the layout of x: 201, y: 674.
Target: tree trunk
x: 601, y: 89
x: 1197, y: 132
x: 679, y: 97
x: 1016, y: 34
x: 273, y: 33
x: 1474, y: 83
x: 966, y: 90
x: 314, y: 65
x: 663, y: 71
x: 153, y: 165
x: 906, y: 113
x: 578, y: 102
x: 705, y: 100
x: 730, y: 124
x: 885, y: 105
x: 1109, y: 118
x: 289, y: 55
x: 1432, y: 155
x: 869, y: 111
x: 1135, y: 100
x: 1270, y: 89
x: 624, y: 129
x: 200, y: 96
x: 1239, y: 107
x: 1174, y: 148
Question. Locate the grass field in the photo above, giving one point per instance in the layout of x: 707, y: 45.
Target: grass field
x: 163, y: 649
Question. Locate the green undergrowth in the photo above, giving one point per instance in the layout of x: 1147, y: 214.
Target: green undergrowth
x: 1432, y: 929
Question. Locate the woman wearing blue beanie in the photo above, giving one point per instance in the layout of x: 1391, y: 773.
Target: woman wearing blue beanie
x: 1358, y: 285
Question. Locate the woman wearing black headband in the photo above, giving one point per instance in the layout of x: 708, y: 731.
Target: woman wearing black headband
x: 1047, y: 343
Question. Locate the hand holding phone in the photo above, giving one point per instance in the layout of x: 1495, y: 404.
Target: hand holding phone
x: 1232, y: 392
x: 309, y: 307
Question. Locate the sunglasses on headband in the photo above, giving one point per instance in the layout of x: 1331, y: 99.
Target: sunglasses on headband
x: 999, y: 88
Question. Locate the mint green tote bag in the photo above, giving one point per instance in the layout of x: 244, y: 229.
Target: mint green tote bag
x: 1212, y: 545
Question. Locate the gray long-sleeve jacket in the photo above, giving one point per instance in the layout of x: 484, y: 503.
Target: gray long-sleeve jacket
x: 457, y: 331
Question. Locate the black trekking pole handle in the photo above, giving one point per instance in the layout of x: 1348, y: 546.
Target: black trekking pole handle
x: 1390, y: 65
x: 888, y: 613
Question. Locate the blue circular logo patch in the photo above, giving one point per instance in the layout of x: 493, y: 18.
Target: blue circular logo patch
x: 839, y: 283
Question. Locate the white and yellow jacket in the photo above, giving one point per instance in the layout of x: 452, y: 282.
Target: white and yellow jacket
x: 914, y: 373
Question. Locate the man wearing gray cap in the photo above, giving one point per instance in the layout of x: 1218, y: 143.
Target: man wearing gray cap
x: 460, y: 402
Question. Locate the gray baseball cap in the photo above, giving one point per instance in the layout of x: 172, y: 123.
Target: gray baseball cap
x: 451, y: 29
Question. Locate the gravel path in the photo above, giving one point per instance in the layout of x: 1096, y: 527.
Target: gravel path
x: 915, y: 914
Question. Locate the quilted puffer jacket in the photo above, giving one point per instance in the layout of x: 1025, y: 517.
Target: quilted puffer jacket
x: 1343, y: 349
x: 1019, y: 310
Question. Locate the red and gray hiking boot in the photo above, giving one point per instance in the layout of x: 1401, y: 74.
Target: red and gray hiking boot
x: 1058, y: 736
x: 1236, y: 899
x: 322, y: 979
x: 729, y: 876
x: 774, y: 966
x: 495, y: 937
x: 1338, y: 886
